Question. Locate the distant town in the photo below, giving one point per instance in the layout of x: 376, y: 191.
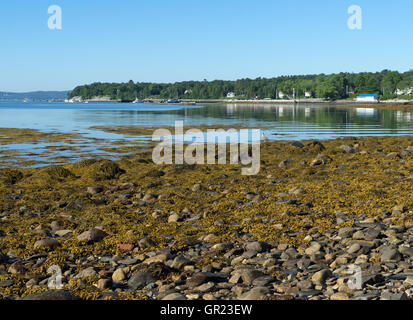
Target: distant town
x: 360, y: 87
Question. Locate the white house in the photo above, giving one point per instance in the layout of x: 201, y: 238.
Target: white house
x: 308, y: 94
x: 367, y: 98
x: 76, y: 99
x: 281, y: 95
x: 401, y: 92
x: 230, y: 95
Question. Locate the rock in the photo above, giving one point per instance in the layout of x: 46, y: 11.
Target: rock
x: 196, y: 187
x: 202, y: 277
x: 257, y: 246
x: 372, y: 279
x: 296, y: 191
x: 118, y: 276
x: 180, y: 262
x: 297, y: 144
x: 157, y: 258
x: 393, y: 296
x: 269, y: 263
x: 46, y: 244
x: 149, y: 197
x: 359, y: 235
x: 205, y: 287
x: 315, y: 247
x: 173, y: 218
x: 146, y: 243
x: 305, y: 284
x: 321, y: 276
x: 348, y: 148
x: 236, y: 278
x: 55, y: 225
x: 316, y: 145
x: 354, y: 248
x: 303, y: 263
x: 407, y: 251
x: 210, y: 237
x: 125, y: 196
x: 339, y: 296
x: 94, y: 190
x: 255, y: 293
x: 390, y: 254
x: 125, y: 246
x: 104, y: 284
x: 249, y: 254
x: 64, y: 233
x: 51, y: 295
x: 345, y: 232
x: 409, y: 281
x: 156, y: 215
x: 392, y: 155
x: 263, y: 281
x: 222, y: 246
x: 93, y: 235
x: 316, y: 162
x: 140, y: 280
x: 17, y: 268
x: 86, y: 273
x: 398, y: 209
x: 285, y: 163
x: 128, y: 261
x: 175, y: 297
x: 321, y: 159
x: 249, y: 276
x: 155, y: 173
x: 364, y: 297
x: 6, y: 283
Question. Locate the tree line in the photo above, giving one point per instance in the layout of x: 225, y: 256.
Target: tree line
x: 387, y: 84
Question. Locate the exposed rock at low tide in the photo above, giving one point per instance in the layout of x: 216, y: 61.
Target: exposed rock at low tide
x: 316, y: 217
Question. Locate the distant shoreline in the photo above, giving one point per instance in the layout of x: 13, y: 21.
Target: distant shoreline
x: 346, y: 103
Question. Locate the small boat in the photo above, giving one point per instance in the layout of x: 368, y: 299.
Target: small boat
x: 172, y: 101
x: 26, y: 100
x: 137, y: 101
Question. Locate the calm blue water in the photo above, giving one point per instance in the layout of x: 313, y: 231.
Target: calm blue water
x: 292, y: 122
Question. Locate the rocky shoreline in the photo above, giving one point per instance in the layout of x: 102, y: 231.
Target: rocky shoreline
x: 130, y: 229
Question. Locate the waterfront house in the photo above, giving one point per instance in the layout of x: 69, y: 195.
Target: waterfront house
x: 76, y: 99
x: 406, y: 91
x: 367, y: 98
x: 231, y: 95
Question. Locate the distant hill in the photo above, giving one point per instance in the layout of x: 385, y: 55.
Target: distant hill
x: 35, y: 95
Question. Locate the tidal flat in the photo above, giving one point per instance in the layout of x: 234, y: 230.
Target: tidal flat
x: 130, y: 229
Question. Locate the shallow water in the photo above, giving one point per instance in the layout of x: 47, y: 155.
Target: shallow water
x: 284, y: 122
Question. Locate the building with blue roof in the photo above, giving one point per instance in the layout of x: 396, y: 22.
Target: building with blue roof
x: 367, y: 98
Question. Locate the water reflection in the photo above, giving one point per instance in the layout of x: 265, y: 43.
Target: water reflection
x: 300, y: 121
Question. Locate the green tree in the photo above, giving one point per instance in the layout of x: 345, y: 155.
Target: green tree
x: 390, y: 82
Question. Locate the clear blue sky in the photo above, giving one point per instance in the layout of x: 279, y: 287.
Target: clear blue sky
x: 168, y: 41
